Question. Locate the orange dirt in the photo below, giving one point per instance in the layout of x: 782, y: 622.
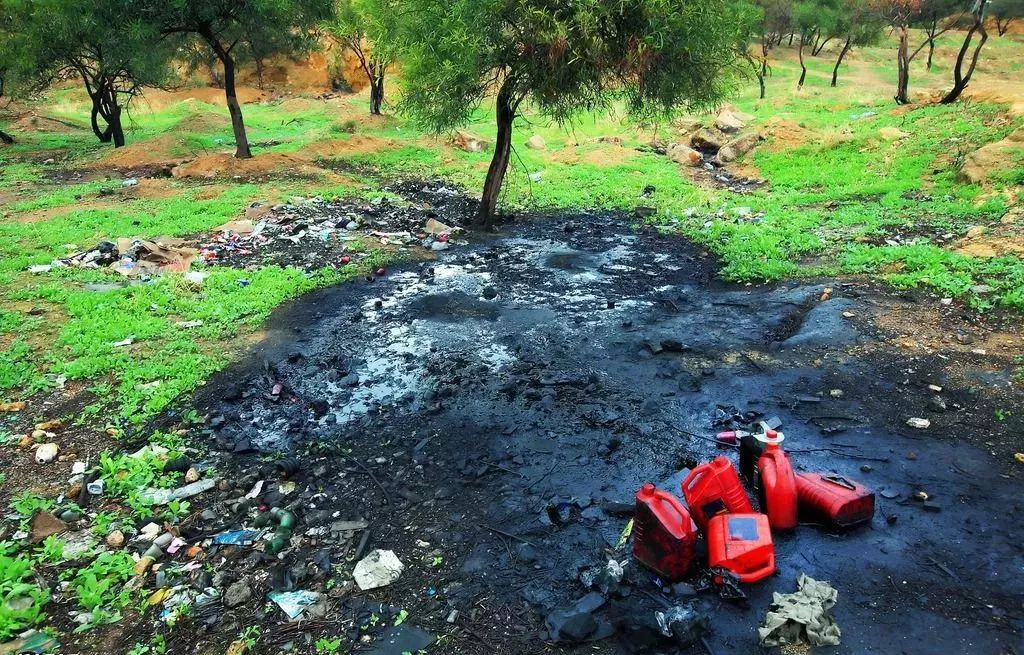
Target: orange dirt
x: 158, y: 99
x: 157, y: 151
x: 356, y: 145
x: 39, y: 123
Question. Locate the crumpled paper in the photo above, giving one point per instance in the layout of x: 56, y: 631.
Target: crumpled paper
x: 803, y: 616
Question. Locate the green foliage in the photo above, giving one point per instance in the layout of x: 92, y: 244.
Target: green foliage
x: 26, y: 504
x: 655, y: 55
x: 327, y: 646
x: 99, y: 587
x: 21, y: 601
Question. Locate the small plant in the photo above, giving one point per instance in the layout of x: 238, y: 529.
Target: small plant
x: 52, y: 550
x: 100, y: 590
x: 325, y: 646
x: 1002, y: 414
x: 250, y: 636
x: 345, y: 127
x: 23, y: 601
x: 26, y: 504
x: 402, y: 616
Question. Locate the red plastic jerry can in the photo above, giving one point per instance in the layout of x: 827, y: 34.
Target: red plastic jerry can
x: 714, y: 488
x: 742, y: 543
x: 778, y: 484
x: 838, y: 500
x: 664, y: 535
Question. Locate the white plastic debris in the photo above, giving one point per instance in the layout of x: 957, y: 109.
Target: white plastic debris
x: 919, y: 423
x: 46, y: 452
x: 378, y: 569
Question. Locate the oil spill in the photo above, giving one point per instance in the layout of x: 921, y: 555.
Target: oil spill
x: 512, y: 395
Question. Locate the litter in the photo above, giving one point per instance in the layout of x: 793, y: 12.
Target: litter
x: 838, y: 500
x: 714, y: 488
x: 741, y: 543
x: 664, y: 535
x: 237, y: 537
x: 803, y: 616
x: 294, y: 603
x: 919, y: 423
x: 778, y: 483
x: 378, y: 569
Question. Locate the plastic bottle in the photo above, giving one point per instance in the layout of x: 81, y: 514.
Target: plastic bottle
x: 778, y: 483
x: 664, y: 535
x: 714, y: 488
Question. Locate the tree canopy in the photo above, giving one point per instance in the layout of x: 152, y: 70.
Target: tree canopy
x: 653, y: 56
x: 365, y: 27
x: 235, y: 29
x: 101, y: 42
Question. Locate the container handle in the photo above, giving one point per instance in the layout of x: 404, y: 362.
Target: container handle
x: 839, y: 481
x: 694, y: 476
x: 665, y: 497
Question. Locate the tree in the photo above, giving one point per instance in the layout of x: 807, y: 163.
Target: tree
x: 364, y: 26
x: 810, y: 17
x: 115, y: 57
x: 653, y: 56
x: 962, y: 78
x: 936, y: 18
x: 899, y: 14
x: 227, y: 26
x: 861, y: 25
x: 1005, y: 12
x: 776, y: 18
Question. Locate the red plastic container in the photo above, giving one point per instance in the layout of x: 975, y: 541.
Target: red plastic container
x: 714, y: 488
x: 839, y: 501
x: 778, y: 486
x: 742, y: 543
x: 664, y: 535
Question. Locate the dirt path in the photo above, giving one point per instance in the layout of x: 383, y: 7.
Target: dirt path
x: 490, y: 413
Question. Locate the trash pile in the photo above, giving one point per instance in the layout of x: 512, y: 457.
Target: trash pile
x: 313, y: 233
x: 739, y: 540
x: 130, y: 257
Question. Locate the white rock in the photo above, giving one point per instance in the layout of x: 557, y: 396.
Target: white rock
x: 919, y: 423
x: 378, y: 569
x: 536, y: 142
x: 46, y: 452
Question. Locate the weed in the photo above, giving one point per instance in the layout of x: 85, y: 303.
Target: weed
x: 26, y: 504
x: 22, y: 600
x: 325, y: 646
x: 99, y: 588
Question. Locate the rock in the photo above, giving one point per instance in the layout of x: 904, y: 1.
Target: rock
x: 707, y: 140
x: 191, y: 475
x: 378, y: 569
x: 993, y: 159
x: 238, y: 593
x: 919, y: 423
x: 726, y: 155
x: 45, y: 524
x: 892, y: 133
x: 681, y: 153
x: 975, y: 232
x: 937, y: 404
x: 439, y: 245
x: 46, y: 452
x: 744, y: 143
x: 686, y: 124
x: 577, y: 623
x: 490, y: 293
x: 115, y: 539
x: 468, y: 142
x: 729, y: 123
x: 536, y: 142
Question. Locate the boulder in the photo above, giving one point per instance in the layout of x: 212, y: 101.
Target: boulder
x: 536, y: 142
x: 738, y: 147
x: 707, y: 140
x: 683, y: 154
x: 469, y: 142
x: 729, y: 123
x: 993, y: 159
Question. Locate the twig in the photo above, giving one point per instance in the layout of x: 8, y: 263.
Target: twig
x: 507, y: 534
x: 387, y: 496
x: 542, y: 478
x: 701, y: 437
x: 752, y: 362
x: 507, y: 470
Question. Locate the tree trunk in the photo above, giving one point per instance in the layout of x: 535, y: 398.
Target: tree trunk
x: 762, y: 71
x: 6, y: 138
x: 103, y: 135
x: 839, y: 61
x: 803, y: 66
x: 903, y: 68
x: 110, y: 110
x: 505, y: 116
x: 1003, y: 25
x: 117, y: 131
x: 821, y: 46
x: 791, y: 34
x: 960, y: 78
x: 931, y: 40
x: 376, y: 87
x: 242, y: 150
